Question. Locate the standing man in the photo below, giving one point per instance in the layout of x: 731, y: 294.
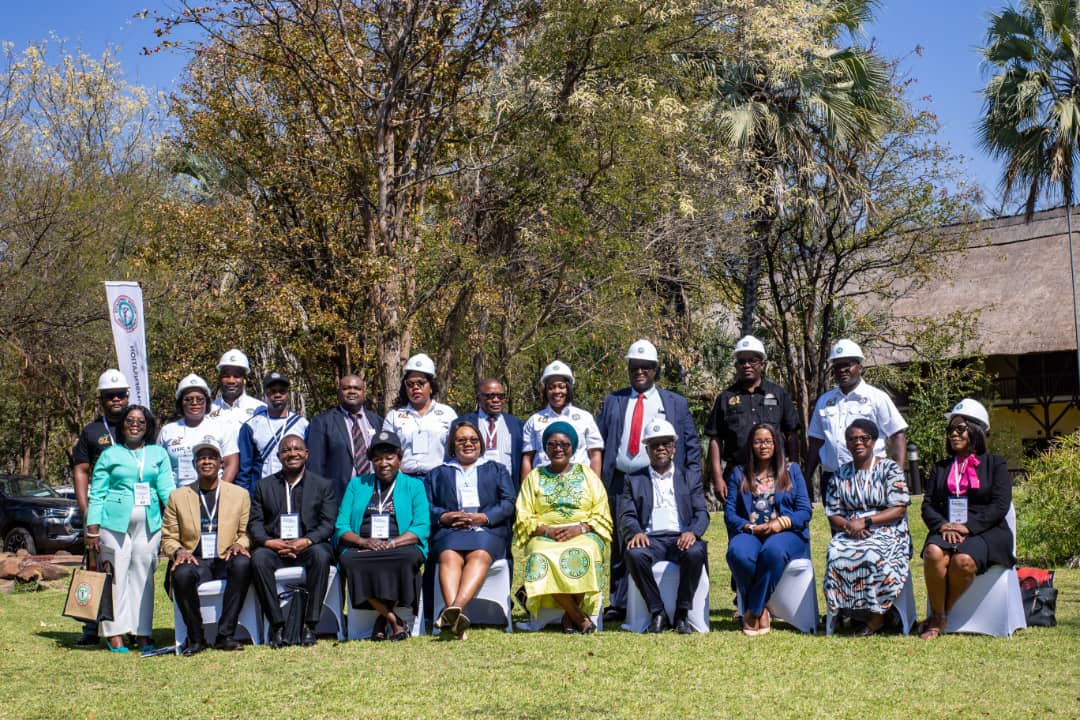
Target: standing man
x: 261, y: 436
x: 501, y: 431
x: 113, y: 390
x: 662, y: 513
x: 837, y: 408
x: 624, y: 415
x: 747, y: 401
x: 292, y: 520
x: 338, y: 439
x: 233, y: 406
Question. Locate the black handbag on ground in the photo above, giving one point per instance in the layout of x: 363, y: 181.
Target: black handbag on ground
x: 1039, y: 595
x: 295, y: 597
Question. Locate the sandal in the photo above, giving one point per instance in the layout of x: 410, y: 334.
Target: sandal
x: 400, y: 629
x: 589, y: 627
x: 461, y: 624
x: 568, y: 626
x: 931, y: 628
x: 448, y: 618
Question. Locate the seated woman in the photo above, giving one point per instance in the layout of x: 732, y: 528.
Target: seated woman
x: 768, y: 519
x: 866, y: 565
x: 967, y: 499
x: 382, y: 531
x: 564, y: 526
x: 472, y: 503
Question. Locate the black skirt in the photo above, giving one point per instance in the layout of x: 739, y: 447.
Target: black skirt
x: 993, y: 546
x: 390, y: 575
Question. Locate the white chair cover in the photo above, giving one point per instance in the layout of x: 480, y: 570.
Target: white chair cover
x: 491, y: 605
x: 667, y: 578
x: 905, y: 606
x: 211, y: 599
x: 795, y: 598
x: 332, y: 621
x: 362, y: 622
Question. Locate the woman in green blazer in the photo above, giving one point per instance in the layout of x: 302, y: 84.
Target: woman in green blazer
x: 381, y: 534
x: 131, y: 483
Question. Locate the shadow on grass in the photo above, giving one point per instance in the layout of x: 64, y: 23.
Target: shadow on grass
x: 67, y: 640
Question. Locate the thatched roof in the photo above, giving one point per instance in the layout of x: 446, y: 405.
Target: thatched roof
x: 1016, y: 274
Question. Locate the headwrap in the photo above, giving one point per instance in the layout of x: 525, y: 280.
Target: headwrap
x: 562, y: 428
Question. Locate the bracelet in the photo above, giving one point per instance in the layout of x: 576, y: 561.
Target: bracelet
x: 92, y: 535
x: 584, y: 528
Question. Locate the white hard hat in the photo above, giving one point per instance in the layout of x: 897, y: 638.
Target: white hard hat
x: 751, y: 344
x: 192, y: 382
x: 972, y: 410
x: 557, y: 368
x: 112, y: 380
x: 234, y: 358
x: 207, y: 442
x: 846, y: 349
x: 642, y: 350
x: 421, y: 363
x: 659, y: 429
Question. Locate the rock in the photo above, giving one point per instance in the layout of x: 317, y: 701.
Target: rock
x: 48, y: 571
x: 22, y: 552
x: 29, y: 573
x: 9, y: 568
x: 62, y: 552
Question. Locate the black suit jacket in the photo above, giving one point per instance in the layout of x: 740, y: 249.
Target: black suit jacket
x: 987, y: 506
x: 329, y: 442
x: 318, y: 508
x: 635, y: 503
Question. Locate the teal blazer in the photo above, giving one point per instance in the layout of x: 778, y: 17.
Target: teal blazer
x: 410, y: 507
x: 112, y: 487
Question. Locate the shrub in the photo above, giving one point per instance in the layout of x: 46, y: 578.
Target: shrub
x: 1048, y: 505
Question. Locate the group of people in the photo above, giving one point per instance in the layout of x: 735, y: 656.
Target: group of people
x: 237, y: 488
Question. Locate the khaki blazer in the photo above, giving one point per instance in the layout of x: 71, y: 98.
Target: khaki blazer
x: 181, y: 521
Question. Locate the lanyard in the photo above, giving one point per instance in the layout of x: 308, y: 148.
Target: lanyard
x: 108, y: 430
x: 202, y: 498
x: 383, y: 500
x: 288, y: 494
x: 958, y: 472
x: 140, y: 460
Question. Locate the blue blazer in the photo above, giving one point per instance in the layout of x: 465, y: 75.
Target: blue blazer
x: 515, y: 427
x: 329, y: 442
x: 635, y: 504
x: 410, y: 507
x: 795, y: 504
x: 676, y: 411
x: 496, y: 497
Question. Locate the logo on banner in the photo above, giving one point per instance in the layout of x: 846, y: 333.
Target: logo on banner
x: 125, y: 314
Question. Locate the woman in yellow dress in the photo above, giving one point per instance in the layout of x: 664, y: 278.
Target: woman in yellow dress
x: 564, y: 525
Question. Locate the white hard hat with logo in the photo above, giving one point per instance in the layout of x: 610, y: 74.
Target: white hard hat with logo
x: 112, y: 380
x: 659, y: 429
x: 972, y: 410
x: 192, y: 382
x: 557, y: 369
x: 234, y: 358
x: 642, y: 350
x: 420, y: 363
x: 750, y: 344
x: 846, y: 349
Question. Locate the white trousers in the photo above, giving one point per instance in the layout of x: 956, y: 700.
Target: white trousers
x: 134, y: 557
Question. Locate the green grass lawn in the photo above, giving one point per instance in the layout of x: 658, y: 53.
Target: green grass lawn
x: 613, y: 674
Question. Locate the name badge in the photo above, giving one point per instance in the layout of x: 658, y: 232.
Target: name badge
x: 470, y: 497
x: 380, y: 526
x: 958, y: 510
x: 420, y: 443
x: 665, y: 518
x: 209, y: 545
x: 185, y: 470
x: 290, y: 526
x: 770, y: 402
x: 142, y: 494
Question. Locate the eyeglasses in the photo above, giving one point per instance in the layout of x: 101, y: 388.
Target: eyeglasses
x: 957, y: 430
x: 193, y: 400
x: 635, y: 369
x: 555, y: 445
x: 467, y: 441
x: 135, y: 421
x: 843, y: 364
x: 859, y: 440
x: 747, y: 361
x: 415, y: 384
x: 493, y: 396
x: 767, y: 442
x: 114, y: 395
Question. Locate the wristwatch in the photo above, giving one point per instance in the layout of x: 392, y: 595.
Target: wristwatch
x: 869, y: 522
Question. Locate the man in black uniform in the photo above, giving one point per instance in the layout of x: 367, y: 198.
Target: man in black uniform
x: 751, y: 399
x: 113, y: 391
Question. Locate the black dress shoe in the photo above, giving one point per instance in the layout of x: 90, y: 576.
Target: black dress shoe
x: 277, y: 637
x: 192, y: 647
x: 659, y: 623
x: 682, y: 624
x: 865, y: 631
x: 88, y: 639
x: 227, y: 644
x: 614, y: 614
x: 307, y: 638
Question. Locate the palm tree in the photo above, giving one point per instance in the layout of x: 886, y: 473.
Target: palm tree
x: 1032, y: 101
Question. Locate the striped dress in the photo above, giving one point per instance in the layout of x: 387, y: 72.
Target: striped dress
x: 868, y: 574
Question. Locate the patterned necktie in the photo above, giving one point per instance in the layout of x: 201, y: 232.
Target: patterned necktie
x: 493, y: 436
x: 633, y: 447
x: 359, y: 443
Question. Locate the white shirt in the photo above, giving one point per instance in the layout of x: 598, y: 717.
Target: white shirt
x: 178, y: 439
x: 834, y: 411
x: 265, y: 429
x: 663, y: 496
x: 236, y: 414
x: 653, y: 407
x: 501, y: 452
x: 423, y: 437
x: 584, y: 424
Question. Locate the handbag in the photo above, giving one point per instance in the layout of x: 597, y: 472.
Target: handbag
x: 1039, y: 596
x: 295, y: 597
x: 89, y: 596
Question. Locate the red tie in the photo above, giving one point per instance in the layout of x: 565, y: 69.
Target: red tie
x: 634, y: 445
x: 493, y: 437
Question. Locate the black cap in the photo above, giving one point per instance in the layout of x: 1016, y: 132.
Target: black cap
x: 383, y: 438
x: 275, y: 377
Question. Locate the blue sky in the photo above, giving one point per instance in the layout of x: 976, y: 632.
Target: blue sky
x: 947, y: 71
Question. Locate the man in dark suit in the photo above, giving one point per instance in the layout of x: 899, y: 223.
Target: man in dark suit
x: 501, y: 431
x: 662, y: 513
x: 623, y: 416
x: 338, y: 439
x: 292, y: 520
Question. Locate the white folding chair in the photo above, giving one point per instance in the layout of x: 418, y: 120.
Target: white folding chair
x: 905, y: 606
x: 491, y: 605
x: 332, y: 621
x: 362, y: 622
x: 667, y: 578
x: 992, y: 604
x: 795, y: 598
x: 211, y: 599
